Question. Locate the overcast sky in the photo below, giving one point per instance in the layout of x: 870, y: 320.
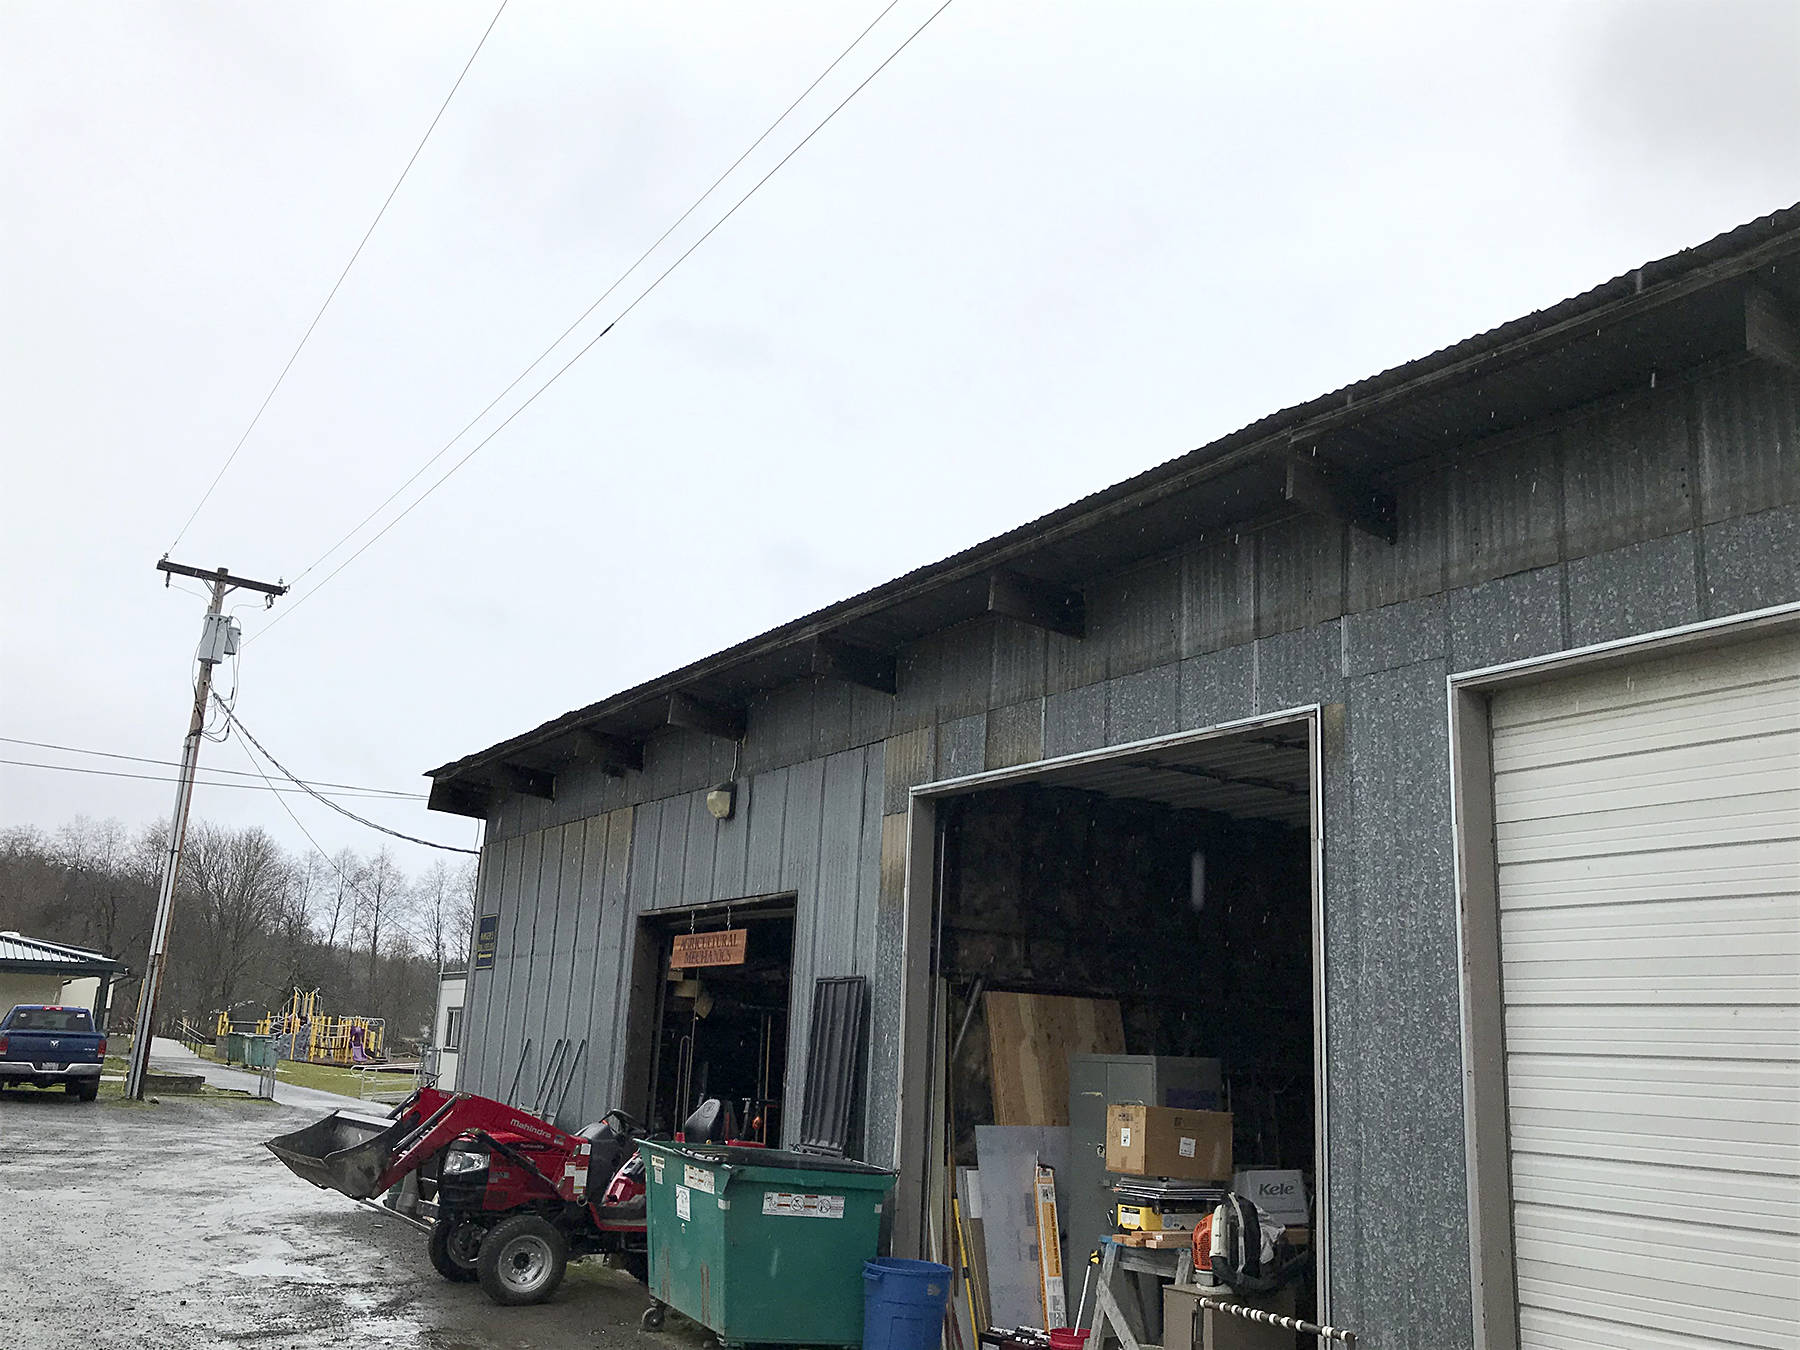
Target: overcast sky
x: 1049, y: 246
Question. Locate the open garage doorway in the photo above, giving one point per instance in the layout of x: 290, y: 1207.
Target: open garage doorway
x: 1167, y: 895
x: 722, y: 1025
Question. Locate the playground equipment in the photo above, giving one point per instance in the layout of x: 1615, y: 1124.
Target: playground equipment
x: 306, y: 1033
x: 303, y: 1032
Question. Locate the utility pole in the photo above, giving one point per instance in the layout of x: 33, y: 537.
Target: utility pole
x: 218, y: 639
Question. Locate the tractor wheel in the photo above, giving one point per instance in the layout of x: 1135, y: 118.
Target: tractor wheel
x: 522, y: 1260
x: 455, y: 1244
x: 636, y: 1265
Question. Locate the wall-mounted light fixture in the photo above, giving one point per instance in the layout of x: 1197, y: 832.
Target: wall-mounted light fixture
x: 722, y: 800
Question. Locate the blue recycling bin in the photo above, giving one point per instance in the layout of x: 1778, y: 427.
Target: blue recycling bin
x: 904, y: 1303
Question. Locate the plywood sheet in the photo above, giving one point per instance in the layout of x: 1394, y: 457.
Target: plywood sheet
x: 1030, y: 1039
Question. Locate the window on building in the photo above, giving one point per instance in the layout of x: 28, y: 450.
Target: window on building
x: 453, y: 1029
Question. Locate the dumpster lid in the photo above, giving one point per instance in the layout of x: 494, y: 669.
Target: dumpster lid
x: 834, y: 1056
x: 769, y: 1164
x: 736, y: 1155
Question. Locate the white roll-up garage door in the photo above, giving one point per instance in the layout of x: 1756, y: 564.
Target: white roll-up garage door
x: 1647, y: 835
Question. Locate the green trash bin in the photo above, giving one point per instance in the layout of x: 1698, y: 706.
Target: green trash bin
x: 259, y: 1052
x: 762, y: 1245
x: 234, y: 1047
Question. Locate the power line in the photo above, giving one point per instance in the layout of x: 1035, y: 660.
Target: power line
x: 237, y: 722
x: 318, y: 848
x: 604, y: 296
x: 332, y: 295
x: 589, y: 345
x: 236, y: 773
x: 165, y: 778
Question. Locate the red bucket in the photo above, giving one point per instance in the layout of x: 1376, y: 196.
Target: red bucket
x: 1066, y: 1338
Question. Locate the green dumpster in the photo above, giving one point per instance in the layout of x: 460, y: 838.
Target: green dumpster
x: 761, y: 1245
x: 259, y: 1052
x: 234, y: 1047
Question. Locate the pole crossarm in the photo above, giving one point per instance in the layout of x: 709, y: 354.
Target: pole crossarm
x: 221, y: 575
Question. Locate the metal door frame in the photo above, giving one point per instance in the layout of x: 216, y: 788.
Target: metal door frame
x: 1486, y: 1140
x: 913, y: 1089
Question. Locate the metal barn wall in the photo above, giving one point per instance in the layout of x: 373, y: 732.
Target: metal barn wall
x: 1680, y: 504
x: 569, y: 895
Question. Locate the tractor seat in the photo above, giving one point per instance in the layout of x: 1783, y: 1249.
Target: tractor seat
x: 712, y: 1123
x: 606, y: 1152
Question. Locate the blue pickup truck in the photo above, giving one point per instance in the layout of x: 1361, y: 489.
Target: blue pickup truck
x: 50, y: 1046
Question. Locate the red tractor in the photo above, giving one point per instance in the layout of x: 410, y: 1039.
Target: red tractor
x: 515, y: 1196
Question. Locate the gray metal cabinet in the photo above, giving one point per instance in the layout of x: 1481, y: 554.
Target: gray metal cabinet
x: 1095, y: 1082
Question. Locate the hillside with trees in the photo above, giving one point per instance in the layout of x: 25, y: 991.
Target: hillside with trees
x: 252, y: 921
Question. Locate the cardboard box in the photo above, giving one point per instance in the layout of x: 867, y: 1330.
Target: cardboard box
x: 1158, y: 1141
x: 1280, y: 1195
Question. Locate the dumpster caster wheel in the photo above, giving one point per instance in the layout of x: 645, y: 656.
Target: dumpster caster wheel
x: 652, y: 1319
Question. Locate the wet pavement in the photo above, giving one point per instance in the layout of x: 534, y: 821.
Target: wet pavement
x: 170, y: 1226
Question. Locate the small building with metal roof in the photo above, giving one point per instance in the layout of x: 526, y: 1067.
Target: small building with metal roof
x: 35, y: 971
x: 1424, y: 757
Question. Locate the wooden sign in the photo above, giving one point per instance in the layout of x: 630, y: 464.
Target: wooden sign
x: 724, y: 948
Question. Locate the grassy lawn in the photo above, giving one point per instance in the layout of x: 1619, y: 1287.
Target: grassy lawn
x: 322, y: 1077
x: 331, y: 1078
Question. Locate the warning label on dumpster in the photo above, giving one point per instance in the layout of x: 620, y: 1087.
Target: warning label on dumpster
x: 697, y: 1177
x: 803, y: 1206
x: 684, y: 1203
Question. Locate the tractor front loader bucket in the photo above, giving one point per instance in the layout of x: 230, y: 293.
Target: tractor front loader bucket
x: 342, y: 1152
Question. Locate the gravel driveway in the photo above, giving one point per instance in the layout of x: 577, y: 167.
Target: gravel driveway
x: 169, y: 1226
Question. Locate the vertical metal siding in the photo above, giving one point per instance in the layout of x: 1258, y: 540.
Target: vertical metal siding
x: 731, y: 852
x: 586, y: 1007
x: 525, y: 978
x: 1749, y: 432
x: 1625, y: 473
x: 702, y: 834
x: 612, y: 971
x: 800, y: 842
x: 1504, y: 511
x: 763, y: 832
x: 561, y: 1010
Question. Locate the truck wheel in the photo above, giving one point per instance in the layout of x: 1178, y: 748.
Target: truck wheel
x: 455, y: 1244
x: 86, y: 1090
x: 522, y: 1261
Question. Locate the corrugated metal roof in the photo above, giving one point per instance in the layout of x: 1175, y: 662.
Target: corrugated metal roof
x: 15, y: 947
x: 1665, y: 315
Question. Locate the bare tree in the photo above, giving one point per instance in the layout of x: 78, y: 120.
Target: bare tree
x: 340, y: 904
x: 238, y: 882
x: 444, y: 911
x: 378, y: 893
